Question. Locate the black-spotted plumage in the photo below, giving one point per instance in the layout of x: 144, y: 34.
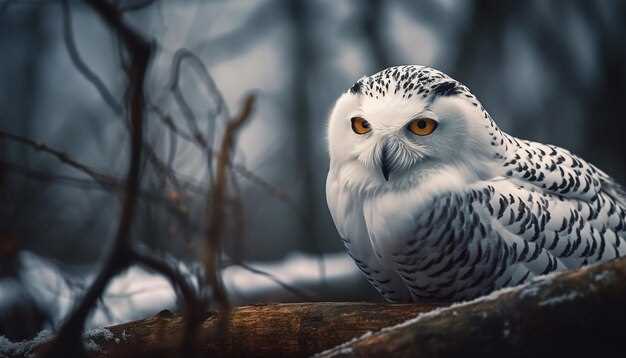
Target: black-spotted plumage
x: 539, y: 208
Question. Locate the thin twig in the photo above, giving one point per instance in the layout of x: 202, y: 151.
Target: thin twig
x: 270, y: 189
x: 185, y: 55
x: 239, y: 168
x: 63, y: 157
x: 294, y: 290
x: 115, y: 185
x: 193, y: 309
x: 181, y: 56
x: 81, y: 66
x: 104, y: 180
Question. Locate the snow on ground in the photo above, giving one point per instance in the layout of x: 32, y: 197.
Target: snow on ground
x: 24, y: 348
x: 11, y: 349
x: 303, y: 272
x: 137, y: 293
x: 132, y: 295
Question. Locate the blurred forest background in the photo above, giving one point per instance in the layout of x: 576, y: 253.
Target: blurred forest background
x: 550, y: 71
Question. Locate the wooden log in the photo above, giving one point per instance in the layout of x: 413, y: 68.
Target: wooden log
x: 271, y: 330
x: 571, y: 314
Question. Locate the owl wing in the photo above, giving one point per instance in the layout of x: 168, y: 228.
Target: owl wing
x: 500, y: 232
x: 556, y: 171
x: 555, y: 209
x: 573, y: 190
x: 547, y: 230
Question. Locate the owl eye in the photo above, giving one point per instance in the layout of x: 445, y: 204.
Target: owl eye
x: 423, y: 126
x: 360, y: 125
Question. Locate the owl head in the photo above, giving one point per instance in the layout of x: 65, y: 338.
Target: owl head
x: 403, y: 123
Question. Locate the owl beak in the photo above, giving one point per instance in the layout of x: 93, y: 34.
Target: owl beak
x: 385, y: 169
x: 385, y: 162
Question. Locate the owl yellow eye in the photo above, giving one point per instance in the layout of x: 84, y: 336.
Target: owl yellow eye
x: 423, y: 126
x: 360, y: 125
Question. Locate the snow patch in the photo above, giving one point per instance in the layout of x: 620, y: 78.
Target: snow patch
x: 296, y: 269
x: 559, y: 299
x: 138, y: 294
x: 605, y: 275
x: 23, y: 348
x: 437, y: 311
x: 536, y: 283
x: 343, y: 348
x: 125, y: 335
x: 92, y: 346
x: 529, y: 291
x: 103, y: 333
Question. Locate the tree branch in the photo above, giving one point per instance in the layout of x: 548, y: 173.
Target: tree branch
x: 66, y: 343
x: 63, y: 157
x: 574, y: 313
x: 215, y: 209
x: 81, y: 66
x: 193, y: 309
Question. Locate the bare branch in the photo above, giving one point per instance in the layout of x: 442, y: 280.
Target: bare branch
x: 81, y: 66
x: 66, y: 343
x: 217, y: 202
x: 270, y: 189
x: 101, y: 87
x: 115, y: 184
x: 181, y: 56
x: 193, y: 310
x: 238, y: 168
x: 294, y: 290
x: 184, y: 54
x: 62, y: 157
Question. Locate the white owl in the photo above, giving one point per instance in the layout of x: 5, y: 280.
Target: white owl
x: 435, y: 203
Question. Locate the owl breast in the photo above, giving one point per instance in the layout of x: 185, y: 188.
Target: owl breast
x: 440, y: 247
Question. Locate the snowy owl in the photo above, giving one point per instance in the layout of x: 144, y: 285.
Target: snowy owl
x: 435, y: 203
